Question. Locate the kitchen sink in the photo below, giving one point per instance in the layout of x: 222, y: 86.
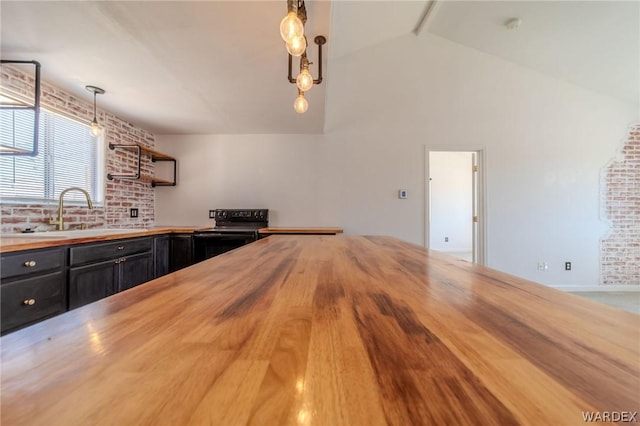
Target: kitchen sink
x: 78, y: 233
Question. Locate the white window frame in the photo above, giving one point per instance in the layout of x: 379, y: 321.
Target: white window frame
x: 98, y: 198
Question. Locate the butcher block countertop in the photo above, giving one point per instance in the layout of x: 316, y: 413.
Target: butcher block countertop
x: 36, y: 240
x: 301, y: 231
x: 326, y: 330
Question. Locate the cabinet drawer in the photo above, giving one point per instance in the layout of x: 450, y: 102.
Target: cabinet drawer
x: 102, y: 251
x: 30, y: 262
x: 32, y: 299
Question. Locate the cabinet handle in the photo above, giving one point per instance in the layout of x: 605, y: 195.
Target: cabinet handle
x: 30, y: 263
x: 29, y: 302
x: 120, y: 247
x: 120, y: 260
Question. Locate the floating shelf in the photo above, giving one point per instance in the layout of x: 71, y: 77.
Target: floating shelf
x: 155, y: 156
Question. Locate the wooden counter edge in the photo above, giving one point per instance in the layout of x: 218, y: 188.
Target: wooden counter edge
x: 293, y: 230
x: 8, y: 245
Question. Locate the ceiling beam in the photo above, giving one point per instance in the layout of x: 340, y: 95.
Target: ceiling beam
x: 430, y: 11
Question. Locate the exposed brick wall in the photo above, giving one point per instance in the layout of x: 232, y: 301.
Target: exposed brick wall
x: 620, y: 249
x: 120, y: 195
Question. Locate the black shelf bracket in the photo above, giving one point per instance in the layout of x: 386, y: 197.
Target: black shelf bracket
x: 138, y: 153
x: 154, y: 183
x: 12, y: 150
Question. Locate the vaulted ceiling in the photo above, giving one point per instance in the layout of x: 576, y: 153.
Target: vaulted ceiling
x: 221, y: 67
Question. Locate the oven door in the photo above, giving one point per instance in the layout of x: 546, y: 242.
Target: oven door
x: 210, y: 244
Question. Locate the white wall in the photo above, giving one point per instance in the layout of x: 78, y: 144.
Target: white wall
x: 278, y: 172
x: 545, y: 143
x: 451, y: 201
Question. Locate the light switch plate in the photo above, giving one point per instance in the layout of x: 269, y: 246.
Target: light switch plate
x: 402, y: 194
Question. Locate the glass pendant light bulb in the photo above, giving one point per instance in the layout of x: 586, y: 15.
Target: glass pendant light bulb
x: 96, y: 130
x: 300, y: 105
x: 297, y: 46
x: 291, y: 27
x: 304, y: 80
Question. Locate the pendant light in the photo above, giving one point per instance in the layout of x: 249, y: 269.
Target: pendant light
x: 291, y: 26
x: 96, y: 129
x: 293, y: 33
x: 304, y: 79
x: 300, y: 105
x: 297, y: 46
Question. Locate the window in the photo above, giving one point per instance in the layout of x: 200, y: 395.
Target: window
x: 69, y: 155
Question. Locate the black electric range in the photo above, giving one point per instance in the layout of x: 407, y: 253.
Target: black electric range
x: 234, y: 228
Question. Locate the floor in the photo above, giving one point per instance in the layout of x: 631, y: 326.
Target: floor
x: 464, y: 255
x: 625, y: 300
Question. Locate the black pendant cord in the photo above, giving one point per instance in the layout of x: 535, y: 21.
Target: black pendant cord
x: 95, y: 118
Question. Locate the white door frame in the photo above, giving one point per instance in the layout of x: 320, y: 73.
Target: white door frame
x: 481, y: 152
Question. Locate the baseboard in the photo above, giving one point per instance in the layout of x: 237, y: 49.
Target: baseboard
x: 597, y: 288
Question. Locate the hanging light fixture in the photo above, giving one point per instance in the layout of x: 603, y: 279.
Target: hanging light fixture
x: 296, y: 43
x: 96, y: 129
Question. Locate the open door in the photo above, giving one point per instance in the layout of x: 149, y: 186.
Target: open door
x: 454, y: 222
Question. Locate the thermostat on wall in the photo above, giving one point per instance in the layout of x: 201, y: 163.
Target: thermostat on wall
x: 402, y: 193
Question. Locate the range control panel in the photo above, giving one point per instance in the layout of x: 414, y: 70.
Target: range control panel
x: 241, y: 215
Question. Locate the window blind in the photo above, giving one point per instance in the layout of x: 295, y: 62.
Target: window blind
x: 69, y: 155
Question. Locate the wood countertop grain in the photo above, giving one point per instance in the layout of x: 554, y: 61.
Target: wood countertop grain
x: 36, y: 240
x: 326, y: 330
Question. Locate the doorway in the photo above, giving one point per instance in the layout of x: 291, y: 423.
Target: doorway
x: 455, y: 203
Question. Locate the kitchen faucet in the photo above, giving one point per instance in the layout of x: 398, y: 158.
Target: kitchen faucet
x: 60, y: 222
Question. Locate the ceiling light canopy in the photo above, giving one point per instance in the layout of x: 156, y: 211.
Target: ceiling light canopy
x: 292, y: 32
x: 96, y: 129
x: 513, y: 23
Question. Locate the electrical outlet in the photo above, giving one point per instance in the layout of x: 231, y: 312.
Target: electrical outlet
x: 446, y: 239
x: 543, y: 266
x: 567, y: 266
x: 133, y: 212
x: 212, y: 214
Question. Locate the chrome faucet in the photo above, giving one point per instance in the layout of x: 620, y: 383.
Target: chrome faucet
x: 60, y: 221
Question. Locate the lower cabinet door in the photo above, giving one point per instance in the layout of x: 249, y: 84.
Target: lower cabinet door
x: 160, y: 256
x: 92, y: 282
x: 135, y: 270
x: 180, y: 252
x: 26, y: 301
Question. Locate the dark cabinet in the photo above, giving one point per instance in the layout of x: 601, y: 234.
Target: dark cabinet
x: 181, y: 251
x: 38, y: 284
x: 161, y: 255
x: 33, y: 287
x: 134, y: 270
x: 92, y: 282
x: 102, y: 269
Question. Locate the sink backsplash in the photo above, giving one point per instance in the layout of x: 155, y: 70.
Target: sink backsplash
x: 120, y: 195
